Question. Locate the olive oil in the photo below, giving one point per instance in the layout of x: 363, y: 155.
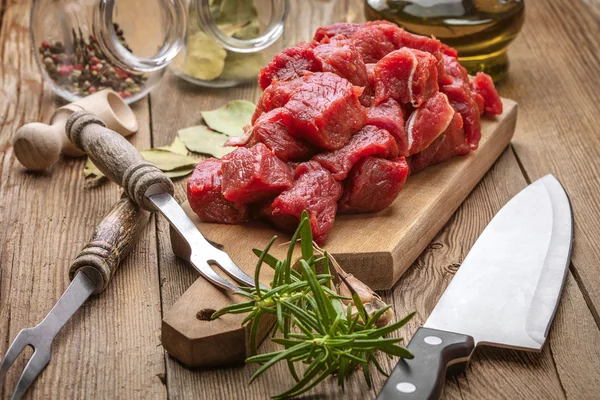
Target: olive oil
x: 479, y: 29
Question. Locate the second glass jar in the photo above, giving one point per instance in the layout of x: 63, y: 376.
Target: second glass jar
x: 228, y: 41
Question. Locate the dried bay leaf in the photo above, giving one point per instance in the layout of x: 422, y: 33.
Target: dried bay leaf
x: 236, y: 12
x: 204, y: 59
x: 229, y: 119
x: 178, y: 173
x: 243, y: 66
x: 167, y: 160
x: 201, y: 139
x: 177, y: 147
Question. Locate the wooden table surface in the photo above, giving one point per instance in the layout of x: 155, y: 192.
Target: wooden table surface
x: 111, y: 348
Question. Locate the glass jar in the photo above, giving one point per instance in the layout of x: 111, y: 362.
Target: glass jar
x: 480, y: 30
x: 228, y: 41
x: 83, y: 46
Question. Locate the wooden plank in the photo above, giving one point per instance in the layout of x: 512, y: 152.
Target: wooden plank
x: 111, y: 347
x: 553, y: 77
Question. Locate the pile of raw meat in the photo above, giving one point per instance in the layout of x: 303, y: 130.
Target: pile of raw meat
x: 339, y: 125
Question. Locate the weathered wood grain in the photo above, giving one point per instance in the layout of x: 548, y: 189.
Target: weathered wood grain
x: 554, y: 78
x: 111, y: 347
x: 115, y: 353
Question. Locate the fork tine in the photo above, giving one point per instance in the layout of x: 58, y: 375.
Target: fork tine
x: 227, y: 265
x: 17, y: 346
x: 207, y: 272
x: 36, y: 364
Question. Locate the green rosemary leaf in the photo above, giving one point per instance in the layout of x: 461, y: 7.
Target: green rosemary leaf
x: 324, y: 306
x: 300, y: 314
x: 290, y: 252
x: 359, y: 306
x: 306, y: 240
x: 393, y: 327
x: 288, y: 353
x: 259, y: 265
x: 246, y: 306
x: 376, y: 363
x: 254, y: 331
x: 303, y: 328
x: 293, y: 371
x: 398, y: 351
x: 248, y: 318
x: 376, y: 316
x: 267, y: 258
x: 286, y: 342
x: 367, y: 373
x: 353, y: 357
x: 279, y: 316
x: 300, y: 386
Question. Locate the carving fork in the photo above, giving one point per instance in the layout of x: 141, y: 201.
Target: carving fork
x: 90, y: 273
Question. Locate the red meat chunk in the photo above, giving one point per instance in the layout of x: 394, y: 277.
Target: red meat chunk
x: 344, y: 29
x: 288, y: 64
x: 324, y: 108
x: 460, y: 96
x: 373, y: 184
x: 390, y: 116
x: 206, y: 199
x: 271, y: 129
x: 425, y: 124
x: 314, y: 190
x: 406, y: 75
x: 376, y: 41
x: 369, y: 141
x: 483, y: 85
x: 449, y: 144
x: 342, y: 58
x: 253, y: 174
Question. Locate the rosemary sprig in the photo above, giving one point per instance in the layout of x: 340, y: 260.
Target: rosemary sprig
x: 327, y: 332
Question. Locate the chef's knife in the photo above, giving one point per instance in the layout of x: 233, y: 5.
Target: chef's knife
x: 152, y: 190
x: 504, y: 294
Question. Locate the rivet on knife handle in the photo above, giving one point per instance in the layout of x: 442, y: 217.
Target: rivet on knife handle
x: 111, y: 241
x: 117, y: 158
x: 423, y: 377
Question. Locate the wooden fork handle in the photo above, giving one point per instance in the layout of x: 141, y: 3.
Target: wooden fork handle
x: 117, y: 158
x: 112, y: 239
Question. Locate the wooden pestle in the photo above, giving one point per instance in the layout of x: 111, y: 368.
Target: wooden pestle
x: 112, y: 239
x: 38, y: 146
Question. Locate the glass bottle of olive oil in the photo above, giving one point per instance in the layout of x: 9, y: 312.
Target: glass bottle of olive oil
x: 479, y: 29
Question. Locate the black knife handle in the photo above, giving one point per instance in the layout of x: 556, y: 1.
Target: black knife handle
x: 423, y: 377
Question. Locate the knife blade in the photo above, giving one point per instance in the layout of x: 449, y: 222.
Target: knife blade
x: 504, y: 294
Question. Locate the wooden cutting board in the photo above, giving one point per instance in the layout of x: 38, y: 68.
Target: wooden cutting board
x: 376, y: 248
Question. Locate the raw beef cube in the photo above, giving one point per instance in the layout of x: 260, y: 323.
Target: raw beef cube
x: 460, y: 96
x: 288, y: 64
x: 369, y: 141
x: 324, y: 108
x: 253, y: 174
x: 376, y: 41
x: 344, y: 29
x: 283, y: 222
x: 342, y: 58
x: 271, y: 129
x: 373, y: 184
x: 314, y: 190
x: 206, y: 199
x: 483, y: 85
x: 406, y: 75
x: 425, y: 124
x: 449, y: 144
x: 390, y: 116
